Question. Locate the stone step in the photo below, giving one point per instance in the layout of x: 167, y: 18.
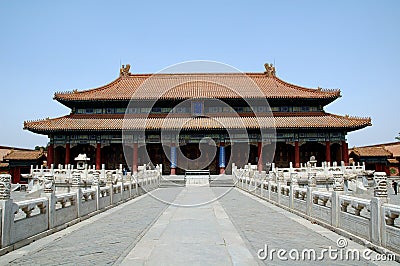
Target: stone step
x: 222, y: 183
x: 172, y: 183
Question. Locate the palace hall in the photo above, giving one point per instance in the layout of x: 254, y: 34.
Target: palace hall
x: 191, y: 108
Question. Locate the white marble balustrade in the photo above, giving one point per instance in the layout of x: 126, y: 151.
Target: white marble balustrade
x: 373, y: 221
x: 25, y: 221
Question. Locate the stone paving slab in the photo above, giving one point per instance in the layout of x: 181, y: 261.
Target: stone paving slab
x: 227, y: 230
x: 261, y: 223
x: 192, y: 235
x: 99, y: 240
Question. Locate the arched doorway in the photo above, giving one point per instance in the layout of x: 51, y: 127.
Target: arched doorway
x: 87, y: 149
x: 59, y: 156
x: 336, y: 153
x: 315, y: 149
x: 253, y: 156
x: 156, y: 153
x: 200, y: 161
x: 242, y: 153
x: 284, y: 154
x: 112, y: 156
x: 268, y: 154
x: 228, y: 160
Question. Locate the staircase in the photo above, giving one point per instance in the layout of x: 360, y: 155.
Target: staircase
x: 172, y: 181
x: 222, y: 181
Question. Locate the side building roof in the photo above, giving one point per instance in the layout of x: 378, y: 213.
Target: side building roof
x: 18, y: 155
x: 392, y: 147
x: 377, y: 151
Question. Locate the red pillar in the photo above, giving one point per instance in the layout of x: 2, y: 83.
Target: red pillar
x: 135, y: 157
x: 16, y: 177
x: 259, y: 154
x: 296, y: 154
x: 173, y: 171
x: 328, y: 151
x: 173, y: 159
x: 50, y: 155
x: 345, y: 152
x: 98, y: 156
x: 67, y: 153
x: 221, y: 158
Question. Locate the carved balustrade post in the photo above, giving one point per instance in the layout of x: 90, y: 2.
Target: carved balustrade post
x: 380, y: 185
x: 293, y: 183
x: 338, y: 189
x: 96, y: 185
x: 312, y: 183
x: 49, y: 193
x: 312, y: 179
x: 49, y: 184
x: 377, y: 220
x: 8, y: 210
x: 5, y: 186
x: 338, y: 182
x: 280, y: 178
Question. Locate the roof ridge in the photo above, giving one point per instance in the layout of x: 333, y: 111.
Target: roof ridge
x: 45, y: 119
x: 384, y: 144
x: 359, y: 150
x: 383, y: 147
x: 36, y: 153
x: 335, y: 92
x: 138, y: 78
x: 195, y: 73
x: 366, y: 118
x: 117, y: 80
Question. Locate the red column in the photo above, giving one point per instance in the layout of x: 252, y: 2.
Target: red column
x: 173, y: 159
x: 17, y: 174
x: 67, y: 153
x: 221, y: 158
x: 328, y: 151
x: 296, y: 154
x: 345, y: 152
x: 259, y: 154
x: 135, y: 157
x: 98, y: 156
x: 173, y: 171
x: 50, y: 155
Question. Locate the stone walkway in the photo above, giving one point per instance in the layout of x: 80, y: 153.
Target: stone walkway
x: 198, y: 235
x: 199, y: 228
x: 265, y: 224
x: 99, y: 240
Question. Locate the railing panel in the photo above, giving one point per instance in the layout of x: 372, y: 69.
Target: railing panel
x: 322, y: 213
x: 354, y: 224
x: 31, y: 226
x: 285, y: 200
x: 117, y: 198
x: 65, y: 215
x: 300, y: 205
x: 392, y: 238
x: 274, y: 196
x: 88, y: 207
x: 104, y: 202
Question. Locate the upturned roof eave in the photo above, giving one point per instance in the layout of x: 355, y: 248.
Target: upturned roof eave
x: 53, y: 131
x: 328, y: 95
x: 70, y: 102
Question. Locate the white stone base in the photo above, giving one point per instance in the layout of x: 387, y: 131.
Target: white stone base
x: 197, y: 181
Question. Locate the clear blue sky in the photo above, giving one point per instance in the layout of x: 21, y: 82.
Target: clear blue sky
x: 49, y: 46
